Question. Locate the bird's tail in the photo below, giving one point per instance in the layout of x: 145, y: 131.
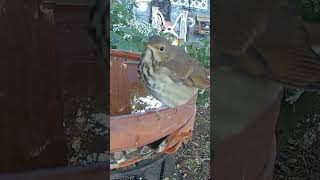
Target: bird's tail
x: 200, y: 77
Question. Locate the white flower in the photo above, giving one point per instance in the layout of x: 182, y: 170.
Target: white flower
x: 127, y: 36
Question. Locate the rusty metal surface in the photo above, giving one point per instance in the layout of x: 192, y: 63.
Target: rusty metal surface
x: 174, y: 140
x: 129, y: 131
x: 31, y: 131
x: 251, y: 154
x: 94, y: 172
x: 119, y: 91
x: 168, y: 145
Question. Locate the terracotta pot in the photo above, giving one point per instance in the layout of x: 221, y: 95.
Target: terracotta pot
x: 251, y: 154
x: 136, y: 130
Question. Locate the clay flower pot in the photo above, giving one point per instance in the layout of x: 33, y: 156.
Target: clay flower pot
x: 251, y: 154
x: 128, y: 130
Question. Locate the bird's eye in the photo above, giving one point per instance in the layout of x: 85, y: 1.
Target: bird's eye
x: 162, y: 48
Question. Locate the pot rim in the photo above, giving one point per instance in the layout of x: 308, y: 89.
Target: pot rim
x: 131, y: 130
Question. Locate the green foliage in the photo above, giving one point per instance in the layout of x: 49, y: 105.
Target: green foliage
x: 310, y: 9
x: 199, y: 49
x: 203, y: 98
x: 292, y: 114
x: 127, y: 32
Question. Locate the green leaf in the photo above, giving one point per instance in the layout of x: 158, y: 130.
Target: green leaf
x: 203, y: 98
x: 127, y: 45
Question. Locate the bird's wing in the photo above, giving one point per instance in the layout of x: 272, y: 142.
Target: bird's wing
x: 195, y: 75
x: 287, y: 52
x: 199, y: 77
x: 238, y: 23
x: 180, y: 64
x: 187, y: 71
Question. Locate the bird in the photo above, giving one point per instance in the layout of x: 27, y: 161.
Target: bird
x: 169, y: 74
x: 247, y: 75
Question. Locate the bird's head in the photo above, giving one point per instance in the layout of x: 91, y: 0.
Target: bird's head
x: 160, y: 48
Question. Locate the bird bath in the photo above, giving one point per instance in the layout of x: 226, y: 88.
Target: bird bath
x: 130, y: 131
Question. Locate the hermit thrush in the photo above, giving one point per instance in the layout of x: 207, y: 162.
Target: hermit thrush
x: 282, y: 53
x: 169, y: 74
x: 245, y: 81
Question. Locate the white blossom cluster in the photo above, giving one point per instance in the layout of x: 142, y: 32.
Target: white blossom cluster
x: 136, y: 25
x: 117, y: 27
x: 127, y: 36
x: 142, y: 27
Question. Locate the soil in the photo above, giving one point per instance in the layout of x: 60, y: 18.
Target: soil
x: 193, y: 158
x: 299, y: 158
x: 85, y: 130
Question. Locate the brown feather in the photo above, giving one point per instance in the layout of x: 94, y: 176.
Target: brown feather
x: 199, y: 77
x: 287, y: 52
x: 182, y: 68
x: 189, y: 71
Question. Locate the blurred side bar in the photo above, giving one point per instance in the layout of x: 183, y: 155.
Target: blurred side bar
x: 36, y: 69
x: 31, y: 128
x: 95, y: 172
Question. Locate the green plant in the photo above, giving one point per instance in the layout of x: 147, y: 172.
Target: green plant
x: 293, y: 113
x: 127, y: 32
x: 199, y: 49
x: 310, y: 9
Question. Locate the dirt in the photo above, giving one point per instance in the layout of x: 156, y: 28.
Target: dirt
x: 85, y: 131
x: 299, y: 158
x: 193, y: 158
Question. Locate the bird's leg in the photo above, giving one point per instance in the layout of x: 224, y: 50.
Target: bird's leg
x: 176, y: 109
x: 158, y: 115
